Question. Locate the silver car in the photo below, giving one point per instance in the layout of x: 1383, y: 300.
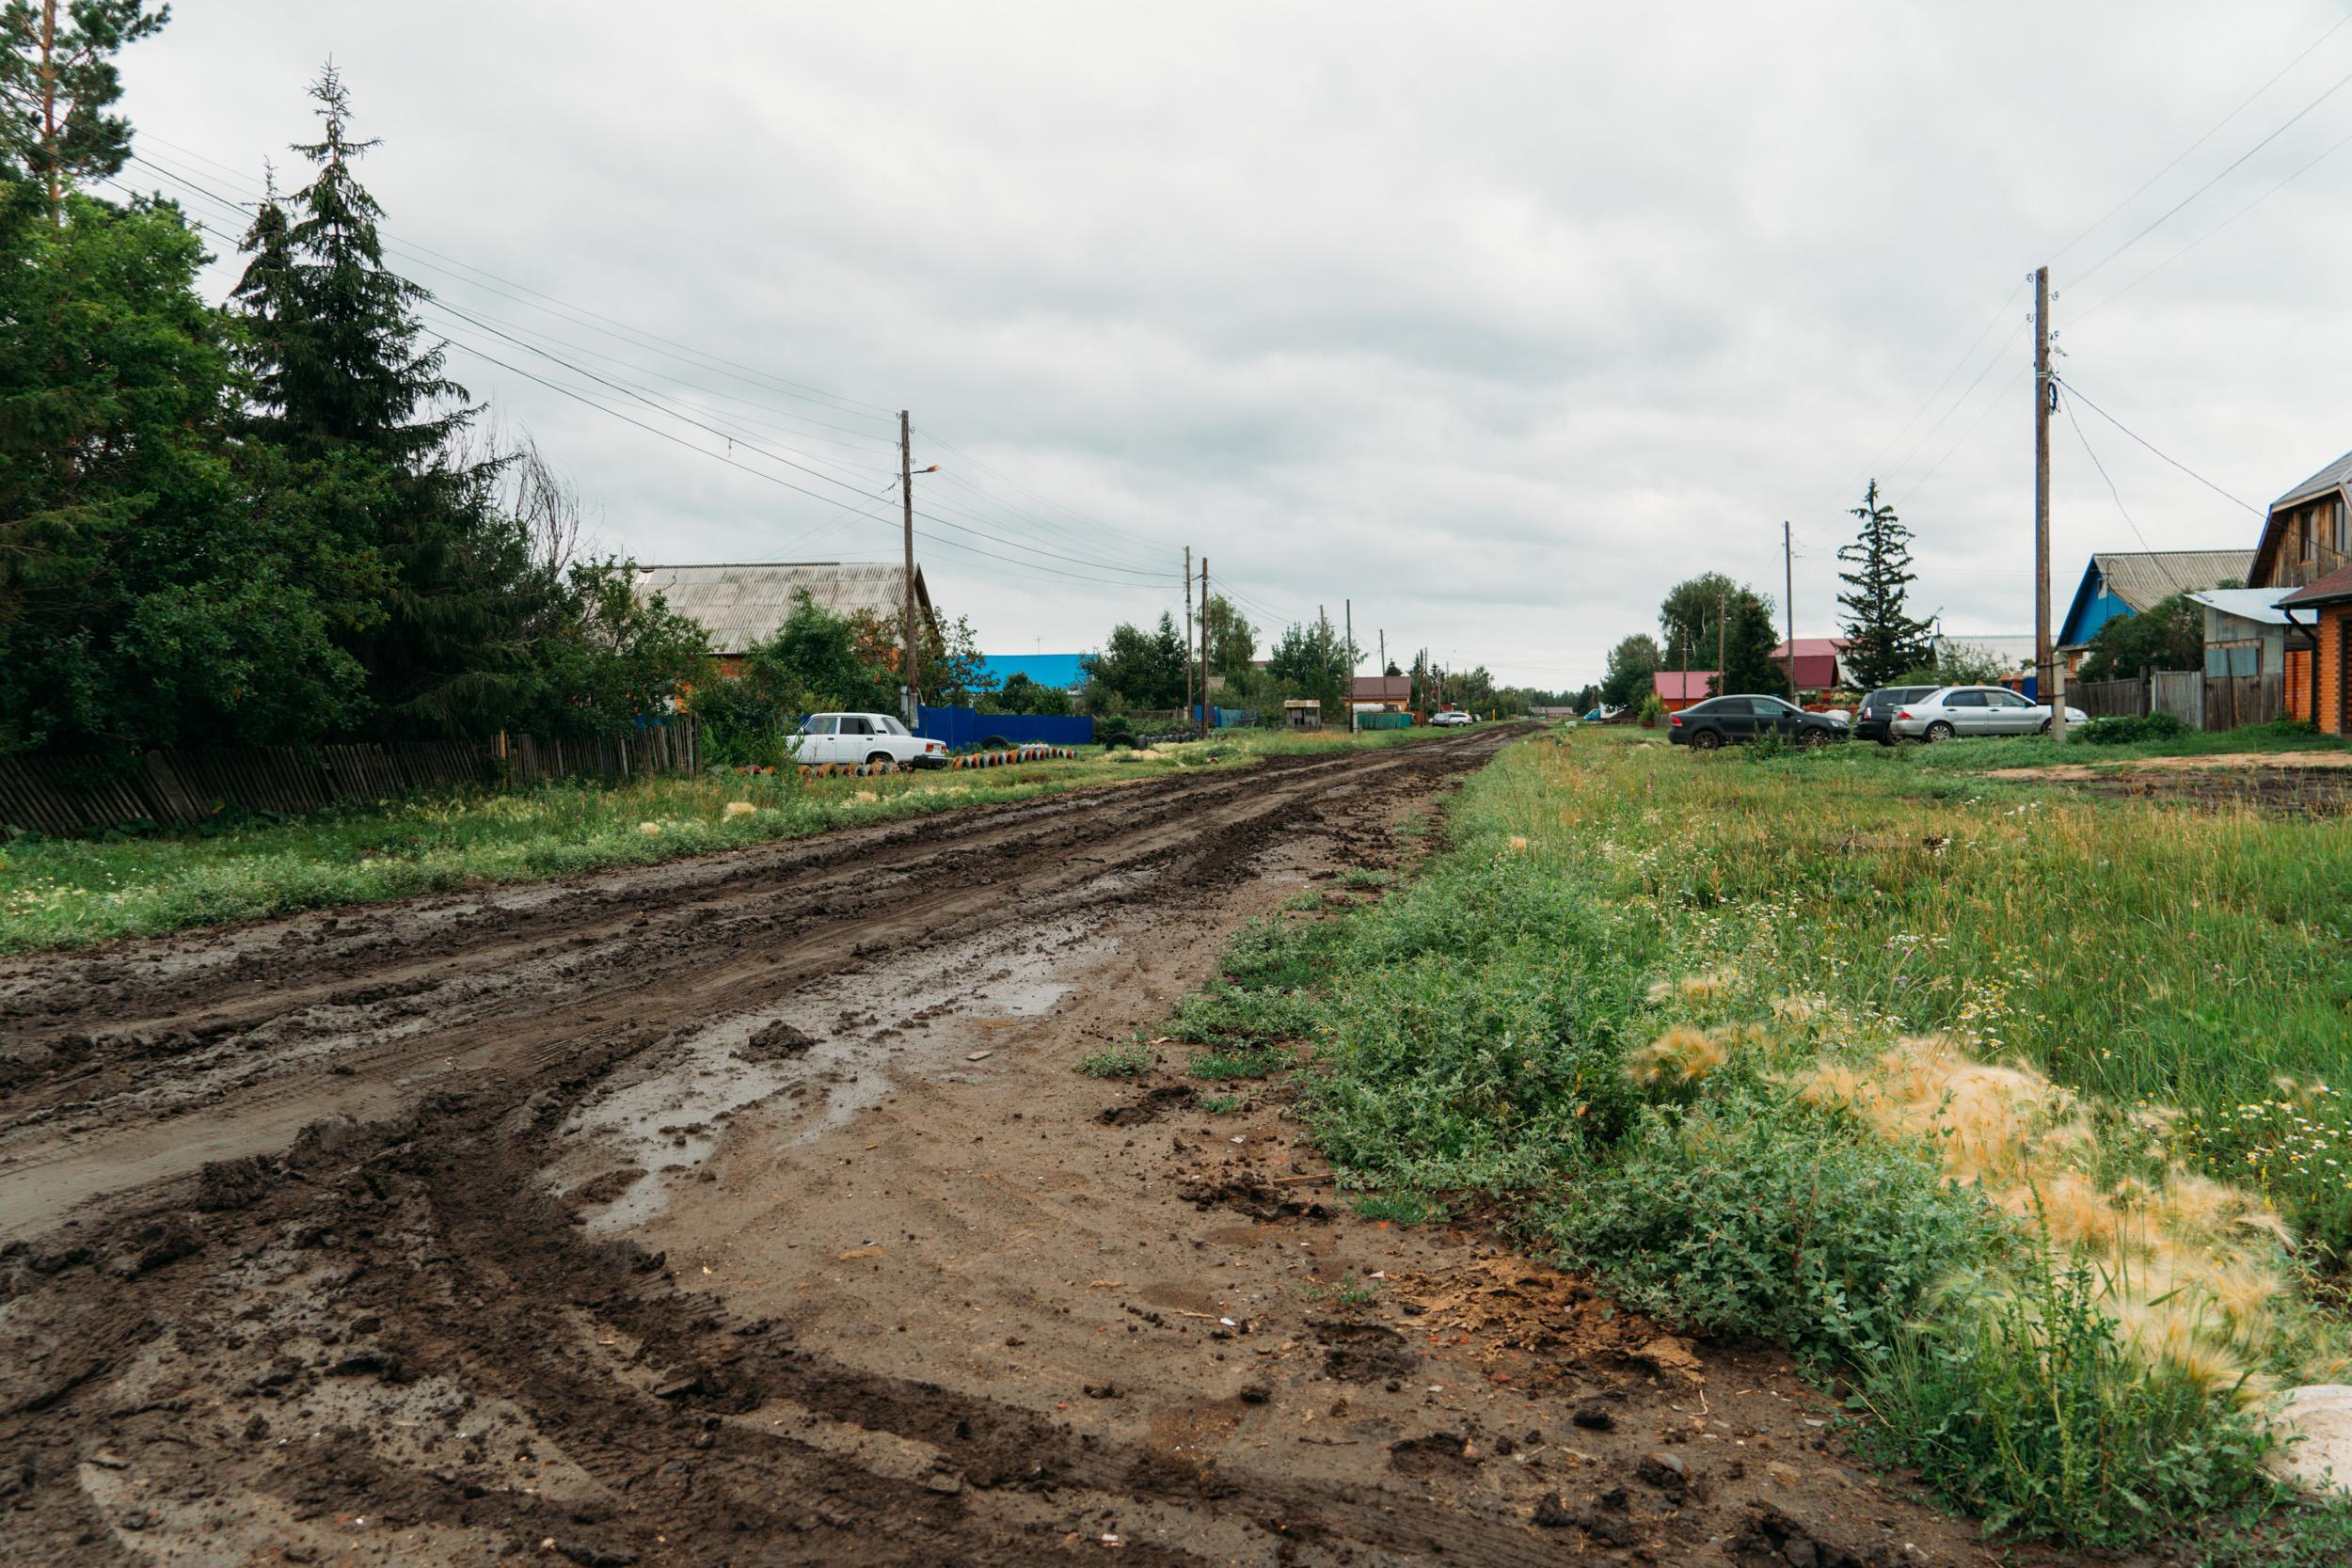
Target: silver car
x: 1957, y: 711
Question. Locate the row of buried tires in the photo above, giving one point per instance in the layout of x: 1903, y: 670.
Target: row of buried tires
x: 970, y: 759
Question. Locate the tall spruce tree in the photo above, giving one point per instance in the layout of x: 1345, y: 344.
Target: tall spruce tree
x: 1885, y: 639
x: 353, y: 419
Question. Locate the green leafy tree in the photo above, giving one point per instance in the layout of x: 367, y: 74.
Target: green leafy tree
x: 1749, y: 638
x: 1689, y: 615
x: 1313, y: 661
x: 1887, y: 640
x: 143, y: 599
x: 1137, y: 668
x: 2167, y: 634
x: 1631, y: 663
x: 1020, y: 694
x: 58, y: 81
x: 608, y: 659
x: 1232, y: 642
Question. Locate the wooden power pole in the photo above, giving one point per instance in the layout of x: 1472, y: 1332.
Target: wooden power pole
x: 1789, y: 603
x: 1722, y: 614
x: 2049, y: 678
x: 1204, y: 647
x: 905, y: 495
x: 1347, y: 608
x: 1204, y: 668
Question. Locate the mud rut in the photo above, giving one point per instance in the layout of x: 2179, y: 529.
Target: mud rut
x: 286, y: 1277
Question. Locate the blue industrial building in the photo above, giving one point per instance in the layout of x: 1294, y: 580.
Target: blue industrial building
x: 1062, y: 670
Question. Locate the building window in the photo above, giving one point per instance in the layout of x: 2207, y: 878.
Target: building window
x: 2343, y: 528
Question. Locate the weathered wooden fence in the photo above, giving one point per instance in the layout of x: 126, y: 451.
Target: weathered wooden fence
x: 2200, y: 701
x: 70, y: 795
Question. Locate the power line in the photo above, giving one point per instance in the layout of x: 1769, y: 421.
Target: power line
x: 1963, y: 438
x: 2201, y: 141
x: 2092, y: 270
x: 2075, y: 392
x: 2068, y: 404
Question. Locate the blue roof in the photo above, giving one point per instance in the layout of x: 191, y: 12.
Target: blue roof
x: 1056, y: 669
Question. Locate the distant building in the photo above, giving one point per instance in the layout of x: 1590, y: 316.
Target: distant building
x: 1381, y: 693
x: 746, y: 602
x: 1062, y: 671
x: 2305, y: 560
x: 2246, y: 633
x: 1818, y: 664
x: 1679, y: 689
x: 2117, y: 584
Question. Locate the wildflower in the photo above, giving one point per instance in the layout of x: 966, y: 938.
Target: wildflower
x: 1679, y: 1057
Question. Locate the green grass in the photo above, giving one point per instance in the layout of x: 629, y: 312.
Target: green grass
x: 1496, y: 1026
x: 70, y: 892
x: 1120, y: 1061
x: 1399, y: 1208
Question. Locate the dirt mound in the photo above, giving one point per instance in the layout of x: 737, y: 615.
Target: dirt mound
x: 1148, y: 1106
x: 1363, y: 1351
x: 1439, y: 1453
x: 778, y: 1041
x: 1257, y: 1196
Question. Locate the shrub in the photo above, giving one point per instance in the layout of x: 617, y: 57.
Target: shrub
x: 1762, y: 1215
x: 2126, y: 732
x: 1122, y: 1061
x: 2025, y: 1405
x: 1653, y: 711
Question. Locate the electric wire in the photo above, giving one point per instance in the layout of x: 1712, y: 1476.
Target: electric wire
x: 2074, y: 392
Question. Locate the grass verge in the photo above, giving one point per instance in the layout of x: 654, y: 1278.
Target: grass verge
x: 2010, y: 1108
x: 72, y: 892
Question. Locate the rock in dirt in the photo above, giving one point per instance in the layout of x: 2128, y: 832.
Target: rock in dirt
x: 1594, y: 1418
x: 1663, y: 1471
x: 2319, y: 1416
x: 1774, y: 1539
x: 1439, y: 1453
x: 779, y: 1041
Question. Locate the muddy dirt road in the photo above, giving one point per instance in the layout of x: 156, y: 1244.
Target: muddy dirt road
x: 748, y: 1210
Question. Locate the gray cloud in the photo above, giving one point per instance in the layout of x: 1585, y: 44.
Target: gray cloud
x: 1496, y: 318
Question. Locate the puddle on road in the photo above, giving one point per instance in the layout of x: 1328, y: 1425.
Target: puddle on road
x: 836, y: 1047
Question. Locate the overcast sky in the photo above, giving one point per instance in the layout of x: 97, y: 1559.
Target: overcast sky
x: 1497, y: 319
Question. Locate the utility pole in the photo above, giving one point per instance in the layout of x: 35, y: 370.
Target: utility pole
x: 1722, y: 677
x: 2049, y: 678
x: 1348, y: 609
x: 1186, y: 596
x: 913, y: 698
x: 1204, y: 647
x: 1384, y: 653
x: 1789, y: 603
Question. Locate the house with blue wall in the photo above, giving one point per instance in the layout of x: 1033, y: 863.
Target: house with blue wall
x: 2117, y: 584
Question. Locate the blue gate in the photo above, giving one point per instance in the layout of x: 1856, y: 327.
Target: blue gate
x: 962, y: 726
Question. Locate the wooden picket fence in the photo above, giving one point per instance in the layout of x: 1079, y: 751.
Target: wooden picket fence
x: 60, y: 795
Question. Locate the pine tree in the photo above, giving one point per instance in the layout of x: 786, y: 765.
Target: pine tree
x: 57, y: 79
x: 353, y: 420
x: 1885, y: 639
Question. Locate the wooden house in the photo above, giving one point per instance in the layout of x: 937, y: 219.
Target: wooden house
x: 2305, y: 558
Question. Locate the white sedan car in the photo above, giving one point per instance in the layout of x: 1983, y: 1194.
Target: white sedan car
x: 1959, y: 710
x: 1450, y: 716
x: 855, y: 738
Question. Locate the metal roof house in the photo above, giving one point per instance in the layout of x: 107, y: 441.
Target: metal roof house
x: 2119, y: 583
x: 1386, y: 694
x: 1814, y: 663
x: 1679, y: 689
x: 740, y: 603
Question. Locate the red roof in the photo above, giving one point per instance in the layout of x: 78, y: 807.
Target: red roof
x: 1676, y: 686
x: 2328, y: 590
x: 1813, y: 647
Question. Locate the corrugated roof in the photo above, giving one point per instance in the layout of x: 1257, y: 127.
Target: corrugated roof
x: 2334, y: 477
x: 2328, y: 590
x: 745, y: 602
x: 2143, y: 578
x: 1382, y: 689
x: 1814, y: 648
x: 2247, y: 603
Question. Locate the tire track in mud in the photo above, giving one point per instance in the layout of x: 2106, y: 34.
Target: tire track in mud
x: 415, y: 1274
x: 524, y: 1001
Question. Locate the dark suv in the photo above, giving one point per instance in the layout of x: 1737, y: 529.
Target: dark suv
x: 1877, y: 710
x: 1728, y: 720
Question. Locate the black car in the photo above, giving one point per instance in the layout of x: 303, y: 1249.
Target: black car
x: 1729, y: 721
x: 1871, y: 719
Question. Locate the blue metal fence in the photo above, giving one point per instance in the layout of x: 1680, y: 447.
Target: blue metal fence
x: 962, y: 726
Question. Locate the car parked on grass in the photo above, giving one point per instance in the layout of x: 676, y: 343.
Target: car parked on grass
x: 855, y: 738
x: 1450, y: 716
x: 1735, y: 719
x: 1875, y: 718
x: 1952, y: 711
